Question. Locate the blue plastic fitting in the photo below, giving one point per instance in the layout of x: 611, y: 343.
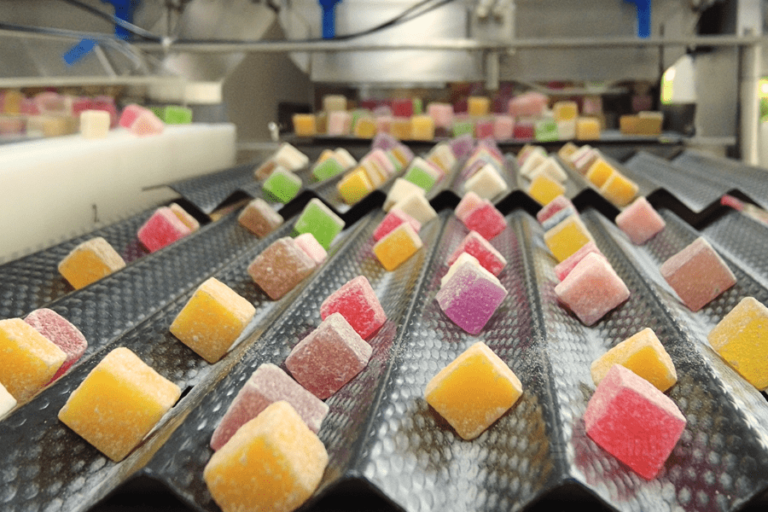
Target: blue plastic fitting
x: 124, y: 11
x: 643, y: 17
x: 329, y: 18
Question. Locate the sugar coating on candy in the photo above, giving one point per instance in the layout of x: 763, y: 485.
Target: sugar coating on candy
x: 129, y: 115
x: 282, y: 185
x: 442, y: 156
x: 528, y: 150
x: 289, y: 157
x: 384, y: 141
x: 568, y: 149
x: 59, y: 331
x: 400, y: 190
x: 554, y: 206
x: 461, y: 146
x: 469, y: 202
x: 397, y: 247
x: 381, y: 158
x: 550, y: 168
x: 503, y: 127
x: 357, y: 303
x: 162, y: 229
x: 333, y: 102
x: 89, y: 262
x: 423, y: 173
x: 417, y: 206
x: 29, y: 359
x: 146, y: 124
x: 376, y: 175
x: 456, y: 265
x: 486, y: 221
x: 633, y: 421
x: 564, y: 268
x: 486, y: 183
x: 394, y: 218
x: 473, y: 391
x: 118, y: 403
x: 697, y: 274
x: 559, y: 217
x: 486, y: 254
x: 319, y: 220
x: 339, y: 122
x: 402, y: 153
x: 532, y: 161
x: 267, y: 385
x: 642, y: 353
x: 273, y: 463
x: 592, y: 289
x: 544, y: 189
x: 7, y: 402
x: 599, y: 172
x: 280, y: 267
x: 94, y: 124
x: 354, y: 186
x: 213, y: 318
x: 327, y: 169
x: 619, y: 189
x: 311, y: 247
x: 344, y: 158
x: 304, y: 125
x: 587, y: 128
x: 470, y: 297
x: 259, y: 218
x: 567, y: 237
x: 329, y: 357
x: 741, y: 339
x: 640, y: 221
x: 184, y: 217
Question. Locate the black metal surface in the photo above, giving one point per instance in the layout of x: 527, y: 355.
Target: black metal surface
x: 210, y: 191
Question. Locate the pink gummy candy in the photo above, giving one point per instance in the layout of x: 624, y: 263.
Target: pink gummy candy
x: 280, y: 267
x: 462, y: 145
x: 503, y: 127
x: 147, y: 123
x: 394, y: 218
x: 640, y: 221
x: 161, y: 229
x: 309, y: 244
x: 557, y: 204
x: 484, y: 129
x: 633, y: 421
x: 469, y: 203
x: 129, y: 115
x: 61, y: 333
x: 470, y: 297
x: 329, y: 357
x: 384, y: 141
x: 487, y: 255
x: 529, y: 104
x: 357, y: 303
x: 564, y: 268
x: 486, y: 220
x: 698, y: 274
x: 267, y: 385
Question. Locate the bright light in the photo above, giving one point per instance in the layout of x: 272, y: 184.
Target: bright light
x: 764, y: 88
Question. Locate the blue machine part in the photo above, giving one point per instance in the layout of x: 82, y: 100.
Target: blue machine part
x: 123, y: 10
x: 329, y: 18
x: 77, y: 52
x: 643, y: 17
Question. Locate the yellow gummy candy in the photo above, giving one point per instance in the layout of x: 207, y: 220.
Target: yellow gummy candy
x: 422, y: 128
x: 399, y: 245
x: 365, y: 128
x: 325, y: 155
x: 304, y: 125
x: 478, y: 106
x: 354, y: 186
x: 619, y: 190
x: 567, y: 237
x: 587, y: 128
x: 473, y: 391
x: 544, y: 189
x: 599, y: 172
x: 89, y: 262
x: 567, y: 151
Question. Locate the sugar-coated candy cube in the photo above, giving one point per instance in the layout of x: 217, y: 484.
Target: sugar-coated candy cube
x: 544, y: 189
x: 365, y: 127
x: 267, y: 385
x: 587, y: 128
x: 741, y: 339
x: 212, y: 319
x: 484, y: 128
x: 417, y: 206
x: 118, y: 403
x: 532, y: 161
x: 394, y: 218
x: 564, y: 268
x: 640, y: 221
x: 89, y: 262
x: 373, y: 171
x: 442, y: 155
x: 469, y: 203
x: 162, y: 229
x: 524, y: 129
x: 565, y: 110
x: 289, y: 157
x: 619, y: 189
x: 259, y: 218
x: 7, y: 402
x: 528, y: 104
x: 129, y: 115
x: 424, y: 175
x: 456, y: 265
x: 558, y: 217
x: 304, y: 125
x: 383, y: 161
x: 461, y: 146
x: 176, y: 114
x: 283, y: 185
x: 400, y: 128
x: 29, y: 359
x: 551, y: 168
x: 397, y: 247
x: 357, y: 303
x: 470, y: 297
x: 339, y: 122
x: 354, y: 186
x: 599, y: 172
x: 566, y: 130
x: 473, y: 391
x: 400, y: 189
x: 184, y: 217
x: 554, y: 206
x: 402, y: 153
x: 327, y: 169
x: 462, y: 126
x: 568, y: 149
x: 273, y: 463
x: 592, y: 289
x: 384, y: 141
x: 545, y: 130
x: 333, y: 102
x: 633, y: 421
x: 486, y: 254
x: 527, y: 151
x: 503, y: 126
x: 59, y: 331
x: 94, y: 124
x: 147, y: 123
x: 486, y: 183
x: 280, y: 267
x: 486, y: 221
x: 478, y: 106
x: 344, y: 158
x: 422, y: 128
x: 307, y: 243
x: 402, y: 107
x: 642, y: 353
x: 329, y: 357
x: 567, y: 237
x: 583, y: 161
x: 698, y: 274
x: 441, y: 113
x: 319, y: 220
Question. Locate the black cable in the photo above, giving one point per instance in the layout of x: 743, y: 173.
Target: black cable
x: 130, y: 27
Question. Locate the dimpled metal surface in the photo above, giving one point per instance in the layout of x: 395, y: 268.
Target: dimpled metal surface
x: 743, y: 240
x: 207, y: 192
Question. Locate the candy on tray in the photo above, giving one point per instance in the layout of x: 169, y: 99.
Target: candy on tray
x: 566, y: 130
x: 354, y: 186
x: 568, y: 150
x: 550, y: 168
x: 118, y: 403
x: 344, y: 158
x: 329, y: 357
x: 307, y: 243
x: 304, y: 125
x: 318, y: 219
x: 259, y: 218
x: 58, y: 330
x: 564, y: 268
x: 545, y: 130
x: 282, y: 185
x: 441, y: 113
x: 698, y: 274
x: 486, y: 254
x: 469, y: 203
x: 486, y: 220
x: 642, y: 353
x: 267, y: 385
x: 422, y: 128
x: 567, y: 237
x: 633, y: 421
x: 129, y: 115
x: 339, y: 123
x: 7, y: 402
x: 558, y: 217
x: 473, y: 391
x: 400, y: 189
x: 599, y: 172
x: 535, y: 158
x: 640, y: 221
x: 394, y: 218
x: 327, y: 169
x: 503, y: 126
x: 184, y: 217
x: 401, y: 128
x: 544, y: 189
x: 527, y: 104
x: 162, y: 229
x: 478, y: 106
x: 147, y: 123
x: 587, y: 128
x: 442, y: 156
x: 373, y: 171
x: 89, y: 262
x: 417, y: 206
x: 286, y: 156
x: 280, y: 267
x: 365, y: 127
x: 383, y: 161
x: 484, y: 128
x: 462, y: 145
x: 94, y: 124
x: 486, y: 183
x: 554, y: 206
x: 332, y: 102
x: 397, y: 247
x: 619, y: 189
x: 565, y: 110
x: 423, y: 174
x: 357, y: 303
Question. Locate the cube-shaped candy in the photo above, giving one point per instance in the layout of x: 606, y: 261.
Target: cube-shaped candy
x: 304, y: 125
x: 587, y: 128
x: 259, y: 218
x: 422, y: 174
x: 94, y: 124
x: 564, y: 268
x: 322, y: 122
x: 592, y: 289
x: 565, y: 110
x: 274, y: 462
x: 558, y: 217
x: 633, y: 421
x: 619, y: 189
x: 441, y: 113
x: 470, y: 297
x: 640, y: 221
x: 422, y: 128
x: 400, y: 190
x: 402, y: 107
x: 503, y: 127
x: 397, y: 247
x: 642, y: 353
x: 554, y: 206
x: 698, y: 274
x: 280, y: 267
x: 339, y: 123
x: 741, y: 339
x: 267, y: 385
x: 176, y: 114
x: 329, y: 357
x: 478, y: 106
x: 129, y: 115
x: 528, y: 104
x: 402, y: 153
x: 486, y: 220
x: 7, y: 402
x: 282, y: 186
x: 344, y: 158
x: 545, y: 130
x: 373, y: 171
x: 544, y: 189
x: 484, y: 128
x: 583, y: 161
x: 473, y: 391
x: 213, y: 318
x: 394, y: 218
x: 184, y: 217
x: 311, y: 247
x: 162, y: 229
x: 147, y: 123
x: 469, y: 203
x: 599, y: 172
x: 462, y: 127
x: 456, y: 265
x: 486, y: 183
x: 289, y: 157
x: 566, y: 130
x: 365, y: 127
x: 354, y: 186
x: 357, y: 303
x: 29, y: 359
x: 384, y: 141
x: 118, y: 403
x: 58, y: 330
x: 384, y: 162
x: 461, y: 146
x: 333, y: 102
x: 417, y: 206
x: 327, y: 169
x: 567, y: 237
x: 442, y: 156
x: 319, y: 220
x: 567, y: 151
x: 89, y: 262
x: 400, y: 128
x: 550, y: 168
x: 486, y: 254
x: 527, y: 151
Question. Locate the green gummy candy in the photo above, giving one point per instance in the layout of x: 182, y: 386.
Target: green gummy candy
x: 319, y: 220
x: 420, y: 177
x: 328, y: 168
x: 174, y: 114
x: 463, y: 128
x: 546, y: 130
x: 282, y: 185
